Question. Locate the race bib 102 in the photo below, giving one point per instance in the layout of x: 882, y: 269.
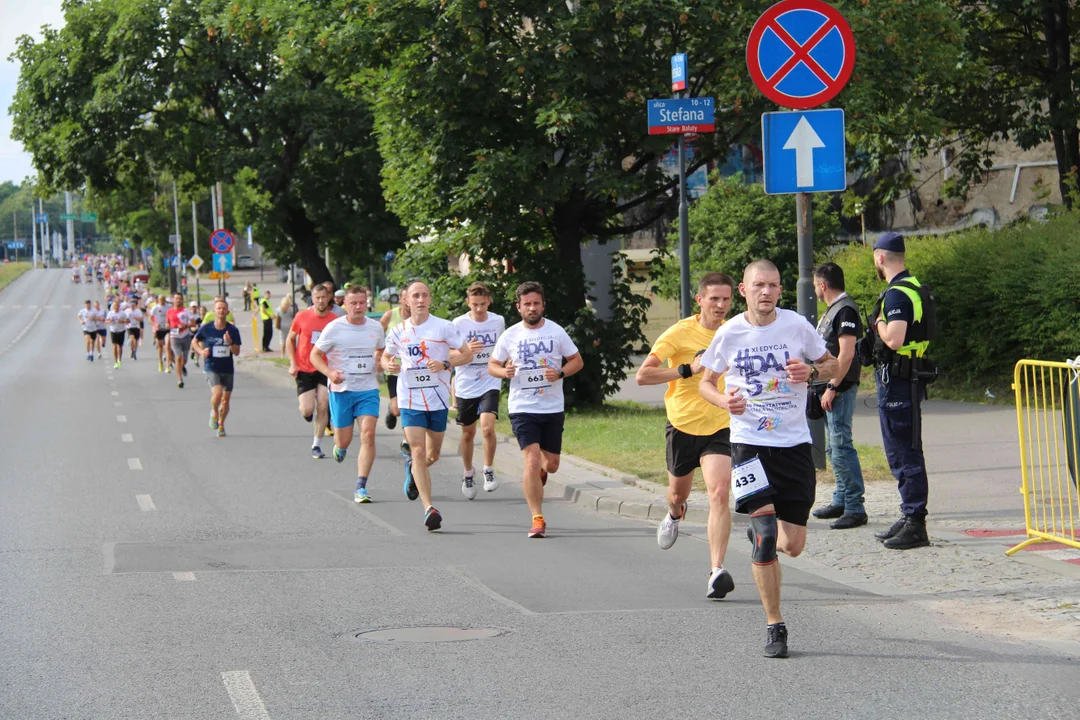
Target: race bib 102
x: 418, y: 378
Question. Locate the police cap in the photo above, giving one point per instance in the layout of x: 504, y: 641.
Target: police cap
x: 891, y: 242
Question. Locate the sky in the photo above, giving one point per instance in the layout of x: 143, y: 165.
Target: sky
x: 18, y: 17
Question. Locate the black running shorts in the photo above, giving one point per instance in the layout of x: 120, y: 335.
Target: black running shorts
x: 117, y: 337
x: 792, y: 480
x: 543, y: 428
x: 684, y: 451
x: 308, y: 381
x: 469, y: 410
x: 135, y: 332
x: 161, y: 334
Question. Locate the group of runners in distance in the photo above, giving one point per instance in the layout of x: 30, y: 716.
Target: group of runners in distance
x: 736, y: 399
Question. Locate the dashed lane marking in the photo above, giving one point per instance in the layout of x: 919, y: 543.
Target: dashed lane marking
x: 121, y: 418
x: 135, y: 464
x: 244, y: 695
x: 145, y: 503
x: 184, y: 576
x: 124, y: 437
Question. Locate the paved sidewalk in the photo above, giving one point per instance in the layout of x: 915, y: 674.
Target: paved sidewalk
x: 968, y: 578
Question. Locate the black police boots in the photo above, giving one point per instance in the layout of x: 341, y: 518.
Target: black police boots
x: 895, y: 528
x: 911, y: 535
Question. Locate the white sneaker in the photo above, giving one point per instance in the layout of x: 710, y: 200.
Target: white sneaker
x: 490, y: 483
x: 468, y: 489
x: 720, y: 584
x: 667, y: 532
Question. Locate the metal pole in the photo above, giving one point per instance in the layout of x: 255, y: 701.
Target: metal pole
x: 70, y: 223
x: 807, y: 300
x: 195, y: 250
x: 33, y: 234
x: 685, y: 305
x: 220, y: 225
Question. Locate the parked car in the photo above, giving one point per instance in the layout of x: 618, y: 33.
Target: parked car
x: 245, y: 262
x: 389, y: 294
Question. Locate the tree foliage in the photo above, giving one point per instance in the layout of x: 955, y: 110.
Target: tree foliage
x: 209, y: 90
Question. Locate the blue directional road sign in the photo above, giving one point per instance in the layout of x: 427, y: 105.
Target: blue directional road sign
x: 16, y: 245
x: 804, y: 151
x: 675, y: 116
x: 678, y: 72
x: 42, y: 217
x: 127, y: 245
x: 222, y: 262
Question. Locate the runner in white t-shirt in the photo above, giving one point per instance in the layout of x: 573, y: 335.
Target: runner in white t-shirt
x: 531, y: 355
x: 159, y: 322
x: 88, y: 321
x: 116, y: 320
x: 347, y: 352
x: 134, y: 328
x: 763, y: 355
x: 419, y: 351
x: 477, y: 390
x: 102, y: 330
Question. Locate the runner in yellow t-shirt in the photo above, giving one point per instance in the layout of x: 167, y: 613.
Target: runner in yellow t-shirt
x: 697, y: 432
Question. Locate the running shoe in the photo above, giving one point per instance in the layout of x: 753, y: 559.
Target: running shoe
x: 317, y: 453
x: 468, y: 489
x: 432, y: 519
x: 411, y: 491
x: 115, y: 365
x: 90, y: 357
x: 185, y: 371
x: 405, y: 450
x: 339, y: 454
x: 490, y: 483
x: 776, y: 641
x: 543, y: 478
x: 391, y: 420
x: 361, y: 497
x: 180, y: 384
x: 213, y: 423
x: 667, y: 532
x: 160, y: 366
x: 133, y: 355
x: 720, y: 584
x: 221, y: 431
x: 539, y: 527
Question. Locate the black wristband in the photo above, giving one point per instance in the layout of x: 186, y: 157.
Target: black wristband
x: 561, y: 374
x: 446, y: 363
x: 686, y: 371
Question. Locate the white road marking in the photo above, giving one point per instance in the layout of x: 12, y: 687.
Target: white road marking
x: 127, y: 438
x: 245, y: 697
x: 32, y: 307
x: 121, y: 418
x: 145, y: 503
x: 135, y: 464
x: 479, y: 585
x: 114, y: 393
x: 369, y: 515
x: 66, y: 307
x: 16, y: 307
x: 109, y: 551
x: 118, y: 404
x: 183, y: 576
x: 49, y: 307
x: 23, y: 332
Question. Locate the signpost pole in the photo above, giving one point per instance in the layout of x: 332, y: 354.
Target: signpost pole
x: 70, y: 223
x: 807, y: 299
x: 195, y: 250
x: 685, y: 306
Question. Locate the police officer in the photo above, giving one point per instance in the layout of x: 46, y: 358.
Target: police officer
x: 900, y: 345
x: 266, y: 314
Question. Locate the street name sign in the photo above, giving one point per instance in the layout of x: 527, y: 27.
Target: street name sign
x: 804, y: 151
x: 800, y: 53
x: 676, y: 116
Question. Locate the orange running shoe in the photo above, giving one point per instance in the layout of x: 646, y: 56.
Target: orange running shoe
x: 539, y: 527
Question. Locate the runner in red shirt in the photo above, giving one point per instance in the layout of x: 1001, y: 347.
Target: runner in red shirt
x: 311, y: 387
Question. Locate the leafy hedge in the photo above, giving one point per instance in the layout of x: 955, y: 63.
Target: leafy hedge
x: 1002, y: 296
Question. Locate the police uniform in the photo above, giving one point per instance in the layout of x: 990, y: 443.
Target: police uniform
x: 899, y: 402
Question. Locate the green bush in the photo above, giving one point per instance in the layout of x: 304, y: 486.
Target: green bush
x: 1002, y: 296
x: 735, y: 223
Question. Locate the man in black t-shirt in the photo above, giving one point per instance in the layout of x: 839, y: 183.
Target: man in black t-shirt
x: 840, y: 327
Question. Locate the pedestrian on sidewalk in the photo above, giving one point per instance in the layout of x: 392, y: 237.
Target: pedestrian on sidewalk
x: 284, y: 318
x: 902, y: 339
x: 266, y: 314
x: 247, y: 296
x: 840, y: 327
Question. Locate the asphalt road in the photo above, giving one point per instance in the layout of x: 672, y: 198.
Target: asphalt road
x: 151, y: 570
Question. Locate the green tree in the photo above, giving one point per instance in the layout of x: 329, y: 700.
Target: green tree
x: 1022, y: 82
x: 735, y: 223
x: 209, y: 90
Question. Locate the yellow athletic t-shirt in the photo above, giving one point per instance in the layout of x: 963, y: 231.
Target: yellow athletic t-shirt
x: 686, y: 409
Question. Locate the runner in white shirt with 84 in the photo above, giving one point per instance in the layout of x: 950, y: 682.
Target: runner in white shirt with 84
x: 477, y: 390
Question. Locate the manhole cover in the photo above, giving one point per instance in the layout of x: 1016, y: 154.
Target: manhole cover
x: 429, y: 634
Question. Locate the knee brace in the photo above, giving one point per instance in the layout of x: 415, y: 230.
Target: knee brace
x: 308, y: 417
x: 763, y: 537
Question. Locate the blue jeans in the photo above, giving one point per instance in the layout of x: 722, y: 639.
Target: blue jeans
x: 841, y: 453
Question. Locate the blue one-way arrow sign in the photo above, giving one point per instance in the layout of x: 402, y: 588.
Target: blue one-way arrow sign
x: 804, y: 151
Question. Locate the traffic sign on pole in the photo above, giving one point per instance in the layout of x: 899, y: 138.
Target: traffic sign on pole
x: 800, y: 53
x: 678, y: 72
x: 222, y: 262
x: 221, y: 241
x: 677, y: 116
x: 195, y: 262
x: 804, y: 151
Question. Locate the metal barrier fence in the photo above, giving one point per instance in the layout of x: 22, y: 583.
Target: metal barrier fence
x: 1048, y: 419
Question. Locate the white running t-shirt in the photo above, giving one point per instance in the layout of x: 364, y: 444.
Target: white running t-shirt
x: 533, y: 350
x: 135, y: 315
x: 414, y: 345
x: 754, y: 359
x: 117, y: 321
x: 88, y: 318
x: 473, y: 380
x: 351, y: 349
